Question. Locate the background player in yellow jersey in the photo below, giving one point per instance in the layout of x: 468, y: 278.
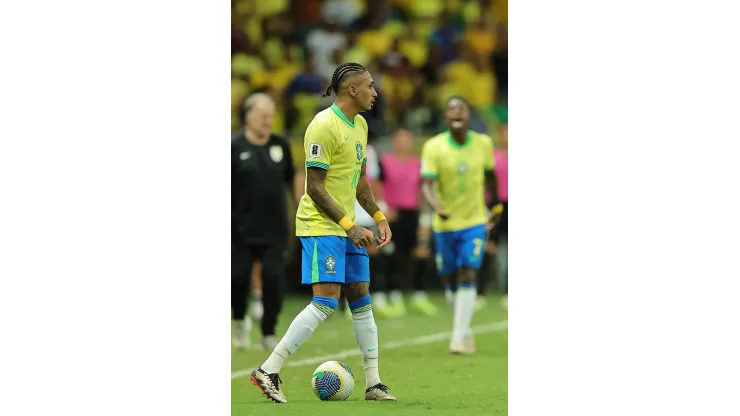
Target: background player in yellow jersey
x: 333, y: 246
x: 455, y: 165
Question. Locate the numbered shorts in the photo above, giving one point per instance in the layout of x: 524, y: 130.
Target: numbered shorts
x: 460, y: 248
x: 333, y: 259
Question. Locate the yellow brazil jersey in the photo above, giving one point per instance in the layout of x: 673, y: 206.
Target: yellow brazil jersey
x: 334, y: 143
x: 459, y: 172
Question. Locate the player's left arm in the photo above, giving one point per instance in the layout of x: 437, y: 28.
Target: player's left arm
x: 367, y: 202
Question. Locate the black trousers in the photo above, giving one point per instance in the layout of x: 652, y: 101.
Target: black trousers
x: 273, y: 284
x: 499, y: 236
x: 403, y: 272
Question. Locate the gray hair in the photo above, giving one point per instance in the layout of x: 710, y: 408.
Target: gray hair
x: 253, y: 99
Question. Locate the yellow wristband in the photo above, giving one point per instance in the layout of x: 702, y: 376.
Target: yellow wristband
x: 379, y: 216
x: 498, y: 208
x: 346, y: 223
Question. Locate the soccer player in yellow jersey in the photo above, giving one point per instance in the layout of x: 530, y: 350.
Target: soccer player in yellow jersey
x: 454, y: 167
x: 334, y: 253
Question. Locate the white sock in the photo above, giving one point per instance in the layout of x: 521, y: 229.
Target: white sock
x: 366, y: 333
x: 298, y: 332
x: 396, y: 296
x: 463, y: 312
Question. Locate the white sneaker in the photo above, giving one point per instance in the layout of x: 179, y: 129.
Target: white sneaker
x: 465, y: 347
x: 240, y: 335
x: 256, y: 310
x: 469, y: 342
x: 269, y: 384
x: 379, y: 392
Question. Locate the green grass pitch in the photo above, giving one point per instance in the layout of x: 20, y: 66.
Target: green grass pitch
x: 414, y: 362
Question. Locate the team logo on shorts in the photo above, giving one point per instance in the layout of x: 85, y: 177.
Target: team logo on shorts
x: 358, y: 147
x: 331, y: 263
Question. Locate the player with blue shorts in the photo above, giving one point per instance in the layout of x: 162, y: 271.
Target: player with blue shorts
x: 333, y: 246
x: 455, y: 167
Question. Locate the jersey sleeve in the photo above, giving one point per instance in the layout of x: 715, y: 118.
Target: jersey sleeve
x: 319, y: 144
x: 489, y: 162
x: 429, y: 164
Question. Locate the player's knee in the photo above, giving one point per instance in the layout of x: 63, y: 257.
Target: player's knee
x: 466, y: 276
x: 355, y: 291
x: 327, y: 290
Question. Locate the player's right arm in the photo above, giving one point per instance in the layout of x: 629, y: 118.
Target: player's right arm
x: 429, y: 175
x: 320, y: 145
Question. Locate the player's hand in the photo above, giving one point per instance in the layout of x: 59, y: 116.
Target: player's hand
x: 441, y: 212
x: 422, y: 252
x: 494, y: 217
x: 490, y: 248
x: 385, y: 234
x: 360, y: 236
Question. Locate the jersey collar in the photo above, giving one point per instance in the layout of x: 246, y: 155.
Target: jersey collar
x: 453, y: 143
x: 341, y: 115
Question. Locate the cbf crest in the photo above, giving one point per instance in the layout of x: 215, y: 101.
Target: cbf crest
x: 276, y: 153
x: 331, y: 264
x: 462, y: 168
x: 358, y: 148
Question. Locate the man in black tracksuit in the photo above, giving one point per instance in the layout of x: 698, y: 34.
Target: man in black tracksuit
x: 261, y: 169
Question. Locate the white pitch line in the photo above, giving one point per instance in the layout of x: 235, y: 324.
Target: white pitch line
x: 426, y: 339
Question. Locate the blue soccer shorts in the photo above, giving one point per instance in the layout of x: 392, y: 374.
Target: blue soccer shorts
x: 333, y: 259
x: 459, y: 248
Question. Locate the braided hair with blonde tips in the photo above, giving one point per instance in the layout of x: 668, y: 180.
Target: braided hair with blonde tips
x: 340, y: 73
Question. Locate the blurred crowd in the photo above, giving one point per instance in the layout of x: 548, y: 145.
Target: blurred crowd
x: 420, y: 52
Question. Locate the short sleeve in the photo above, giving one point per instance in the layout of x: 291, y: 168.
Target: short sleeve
x: 319, y: 143
x: 489, y: 161
x: 429, y: 165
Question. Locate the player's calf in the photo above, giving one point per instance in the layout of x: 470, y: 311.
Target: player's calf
x: 266, y: 377
x: 462, y: 341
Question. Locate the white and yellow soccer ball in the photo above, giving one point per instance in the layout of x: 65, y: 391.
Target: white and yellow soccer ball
x: 333, y: 380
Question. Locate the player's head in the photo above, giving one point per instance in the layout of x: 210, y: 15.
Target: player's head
x: 355, y: 82
x: 259, y: 112
x: 457, y: 114
x: 402, y: 141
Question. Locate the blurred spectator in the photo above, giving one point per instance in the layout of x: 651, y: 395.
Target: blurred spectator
x: 322, y: 42
x: 446, y: 38
x: 301, y: 95
x: 343, y: 12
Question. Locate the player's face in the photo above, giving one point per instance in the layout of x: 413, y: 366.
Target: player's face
x: 403, y: 142
x: 457, y: 116
x: 365, y: 92
x: 261, y: 116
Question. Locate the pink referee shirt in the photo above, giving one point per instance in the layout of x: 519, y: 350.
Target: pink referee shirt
x: 401, y: 182
x: 502, y: 174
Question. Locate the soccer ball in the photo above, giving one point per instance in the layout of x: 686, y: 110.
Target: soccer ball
x: 333, y: 381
